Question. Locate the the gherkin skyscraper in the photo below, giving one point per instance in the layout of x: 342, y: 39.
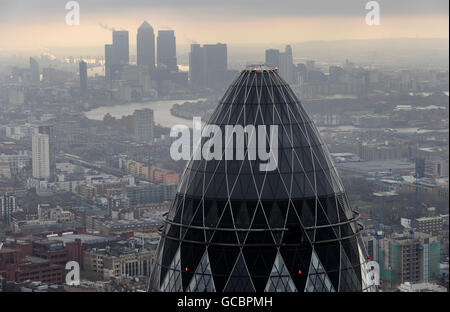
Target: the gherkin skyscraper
x: 234, y: 227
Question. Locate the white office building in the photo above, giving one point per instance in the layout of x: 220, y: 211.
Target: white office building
x: 41, y: 156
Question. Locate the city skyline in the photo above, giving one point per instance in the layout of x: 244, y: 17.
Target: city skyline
x: 288, y: 22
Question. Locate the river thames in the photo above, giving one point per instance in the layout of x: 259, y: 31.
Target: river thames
x: 161, y: 112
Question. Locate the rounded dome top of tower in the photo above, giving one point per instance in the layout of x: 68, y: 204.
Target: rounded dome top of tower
x: 260, y: 97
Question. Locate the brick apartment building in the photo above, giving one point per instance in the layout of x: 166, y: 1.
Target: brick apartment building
x: 38, y: 260
x: 17, y: 266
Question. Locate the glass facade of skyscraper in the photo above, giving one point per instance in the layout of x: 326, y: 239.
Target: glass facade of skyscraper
x: 235, y: 228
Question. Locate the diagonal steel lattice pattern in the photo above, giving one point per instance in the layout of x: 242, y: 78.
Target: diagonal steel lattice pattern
x: 234, y: 228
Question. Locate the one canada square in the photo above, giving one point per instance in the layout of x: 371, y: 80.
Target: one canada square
x: 234, y: 228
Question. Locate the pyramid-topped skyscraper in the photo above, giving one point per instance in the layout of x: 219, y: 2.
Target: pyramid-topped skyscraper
x: 234, y: 227
x: 145, y: 46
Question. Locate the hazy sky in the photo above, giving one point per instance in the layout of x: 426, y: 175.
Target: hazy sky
x: 36, y: 24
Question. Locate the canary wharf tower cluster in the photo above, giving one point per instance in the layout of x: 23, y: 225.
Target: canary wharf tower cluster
x: 235, y: 228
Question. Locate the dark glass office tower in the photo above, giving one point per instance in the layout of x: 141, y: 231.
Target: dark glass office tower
x: 34, y: 70
x: 83, y: 76
x: 235, y: 228
x: 167, y: 51
x: 145, y: 41
x: 108, y: 61
x: 121, y: 48
x: 272, y: 57
x: 208, y: 65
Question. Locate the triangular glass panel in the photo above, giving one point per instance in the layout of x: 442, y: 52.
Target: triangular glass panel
x: 239, y: 280
x: 280, y: 279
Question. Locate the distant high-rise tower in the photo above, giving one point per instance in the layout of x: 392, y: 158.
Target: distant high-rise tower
x: 284, y: 61
x: 7, y: 207
x: 235, y: 228
x: 108, y: 61
x: 216, y: 64
x: 208, y: 64
x: 197, y: 71
x: 146, y: 46
x: 420, y: 167
x: 286, y: 65
x: 272, y: 58
x: 121, y: 47
x: 34, y: 70
x: 41, y: 156
x: 83, y: 76
x: 48, y: 130
x: 216, y: 57
x: 167, y: 51
x: 143, y: 125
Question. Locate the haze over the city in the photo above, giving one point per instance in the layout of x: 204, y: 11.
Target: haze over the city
x: 38, y: 25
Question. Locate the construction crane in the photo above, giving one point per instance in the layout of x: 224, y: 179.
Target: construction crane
x: 413, y: 216
x: 378, y: 219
